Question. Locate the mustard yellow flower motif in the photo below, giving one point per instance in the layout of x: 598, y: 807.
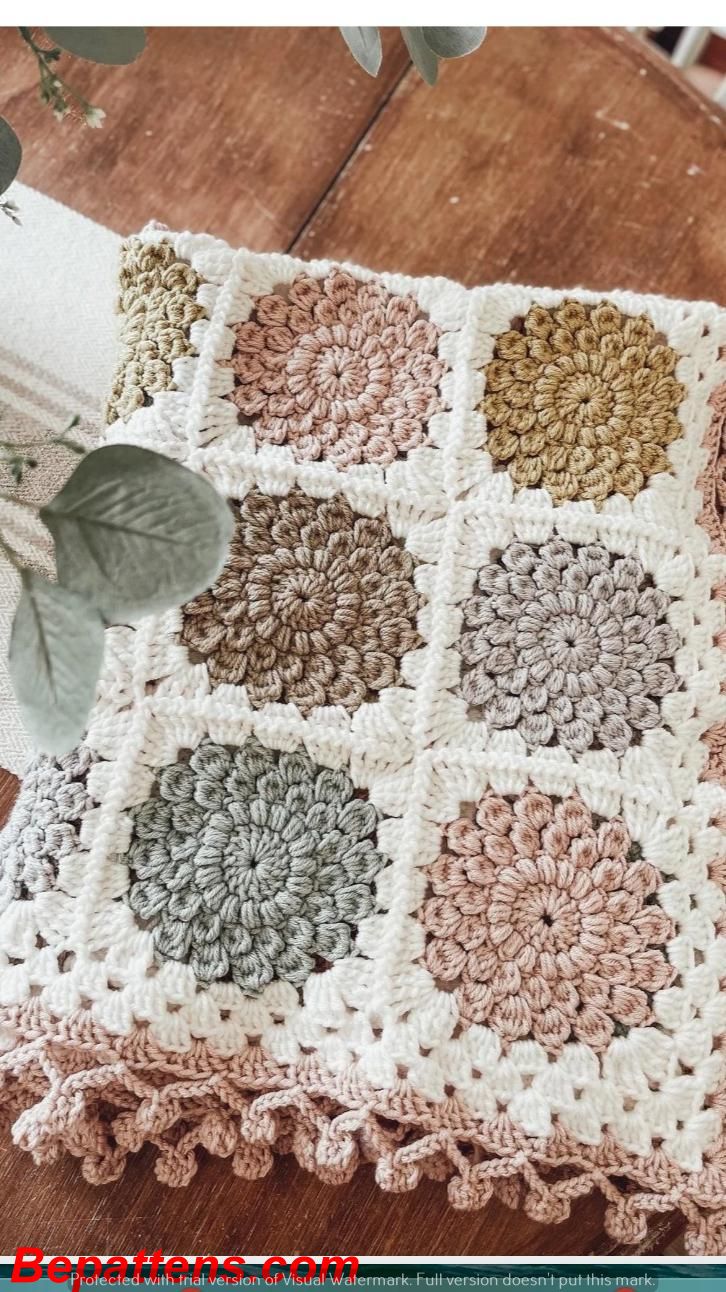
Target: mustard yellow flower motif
x: 582, y: 401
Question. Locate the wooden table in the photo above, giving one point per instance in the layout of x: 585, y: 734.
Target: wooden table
x: 560, y: 156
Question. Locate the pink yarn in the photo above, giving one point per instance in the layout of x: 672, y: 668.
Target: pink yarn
x: 338, y: 369
x: 539, y: 917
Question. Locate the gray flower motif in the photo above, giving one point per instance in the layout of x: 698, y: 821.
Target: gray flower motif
x: 249, y: 863
x: 45, y: 824
x: 567, y: 643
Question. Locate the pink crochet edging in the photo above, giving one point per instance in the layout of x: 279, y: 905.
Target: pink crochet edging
x: 69, y: 1085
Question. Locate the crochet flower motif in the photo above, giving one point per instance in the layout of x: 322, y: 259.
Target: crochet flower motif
x: 568, y: 644
x: 316, y: 604
x: 338, y: 369
x: 712, y: 480
x: 248, y: 864
x: 158, y: 306
x: 582, y: 401
x: 45, y: 824
x: 542, y: 919
x: 712, y: 485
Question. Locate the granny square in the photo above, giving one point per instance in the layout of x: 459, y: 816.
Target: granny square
x: 405, y: 841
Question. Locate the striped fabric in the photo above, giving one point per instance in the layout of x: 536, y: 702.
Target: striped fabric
x: 57, y: 349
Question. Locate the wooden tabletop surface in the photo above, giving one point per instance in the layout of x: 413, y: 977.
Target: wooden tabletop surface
x: 557, y: 156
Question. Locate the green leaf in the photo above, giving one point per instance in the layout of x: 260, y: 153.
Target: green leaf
x: 423, y: 57
x: 364, y: 44
x: 56, y: 649
x: 453, y: 42
x: 136, y: 533
x: 116, y: 45
x: 10, y: 154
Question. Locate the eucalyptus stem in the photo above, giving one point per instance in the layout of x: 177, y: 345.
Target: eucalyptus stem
x: 11, y: 555
x: 73, y: 446
x: 15, y: 456
x: 17, y: 502
x: 54, y: 89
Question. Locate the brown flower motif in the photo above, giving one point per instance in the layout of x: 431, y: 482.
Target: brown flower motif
x: 338, y: 369
x: 541, y: 918
x: 316, y: 604
x: 582, y: 401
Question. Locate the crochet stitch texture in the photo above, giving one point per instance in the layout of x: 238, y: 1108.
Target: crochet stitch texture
x: 713, y: 519
x: 248, y: 864
x: 539, y: 916
x: 158, y: 304
x: 583, y: 401
x: 406, y: 841
x: 44, y: 827
x: 564, y: 641
x: 338, y: 369
x: 316, y: 604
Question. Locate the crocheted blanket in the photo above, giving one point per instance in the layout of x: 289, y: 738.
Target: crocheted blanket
x: 403, y: 842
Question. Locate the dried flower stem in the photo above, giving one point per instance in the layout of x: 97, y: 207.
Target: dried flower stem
x: 54, y: 90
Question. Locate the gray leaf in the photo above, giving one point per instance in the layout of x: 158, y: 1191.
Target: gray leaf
x: 10, y: 154
x: 453, y: 42
x: 116, y: 45
x: 364, y: 44
x: 135, y: 532
x: 56, y: 648
x: 423, y: 57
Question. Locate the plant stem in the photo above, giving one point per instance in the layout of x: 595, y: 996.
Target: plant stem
x: 14, y: 453
x: 12, y: 555
x: 18, y: 502
x: 53, y: 88
x: 11, y: 446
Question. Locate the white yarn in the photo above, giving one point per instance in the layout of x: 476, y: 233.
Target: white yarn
x: 416, y: 751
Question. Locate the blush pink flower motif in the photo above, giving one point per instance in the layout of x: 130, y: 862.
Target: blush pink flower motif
x: 338, y: 369
x: 541, y: 920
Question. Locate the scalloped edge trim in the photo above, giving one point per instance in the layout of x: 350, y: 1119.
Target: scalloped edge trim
x: 69, y: 1085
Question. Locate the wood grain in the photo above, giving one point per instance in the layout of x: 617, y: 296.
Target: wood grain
x: 232, y: 131
x: 8, y: 791
x: 559, y: 157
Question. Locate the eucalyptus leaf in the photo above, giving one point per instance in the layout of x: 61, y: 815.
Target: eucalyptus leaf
x: 364, y: 44
x: 56, y: 649
x: 115, y: 45
x: 10, y: 154
x: 453, y: 42
x: 136, y: 533
x: 423, y: 57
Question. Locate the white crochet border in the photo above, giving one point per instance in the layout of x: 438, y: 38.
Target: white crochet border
x: 380, y: 1014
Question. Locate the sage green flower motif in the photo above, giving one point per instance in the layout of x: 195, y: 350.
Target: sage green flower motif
x: 250, y: 864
